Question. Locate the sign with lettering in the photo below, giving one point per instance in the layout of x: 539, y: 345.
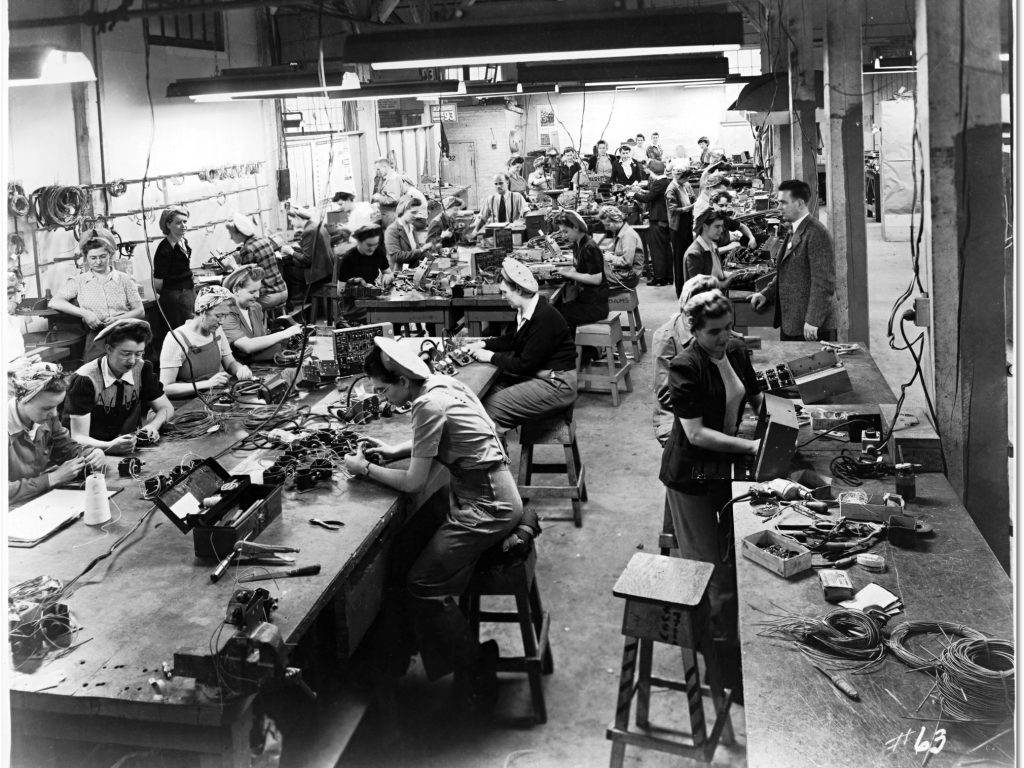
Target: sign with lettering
x: 444, y: 113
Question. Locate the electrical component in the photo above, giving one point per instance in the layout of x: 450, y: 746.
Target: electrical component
x: 352, y: 345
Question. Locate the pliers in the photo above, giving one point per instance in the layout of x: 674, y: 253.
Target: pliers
x: 330, y: 525
x: 253, y: 553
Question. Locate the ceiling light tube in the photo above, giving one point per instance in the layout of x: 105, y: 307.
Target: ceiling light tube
x: 515, y: 58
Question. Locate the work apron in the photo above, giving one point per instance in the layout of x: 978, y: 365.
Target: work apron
x: 205, y: 360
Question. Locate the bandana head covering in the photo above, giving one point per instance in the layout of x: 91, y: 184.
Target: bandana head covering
x: 28, y: 379
x: 94, y: 236
x: 211, y: 296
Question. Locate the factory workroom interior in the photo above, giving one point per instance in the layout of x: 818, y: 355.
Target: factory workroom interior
x: 512, y: 384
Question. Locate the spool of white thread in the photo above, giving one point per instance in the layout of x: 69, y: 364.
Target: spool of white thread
x: 97, y: 505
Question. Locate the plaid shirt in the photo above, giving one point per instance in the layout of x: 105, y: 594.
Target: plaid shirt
x: 111, y: 294
x: 260, y: 251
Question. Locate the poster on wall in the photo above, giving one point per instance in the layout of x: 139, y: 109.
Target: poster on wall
x: 547, y: 129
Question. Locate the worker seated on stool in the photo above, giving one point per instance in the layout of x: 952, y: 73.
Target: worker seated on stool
x: 537, y: 361
x: 40, y: 452
x: 363, y: 264
x: 400, y: 237
x: 585, y: 297
x: 108, y: 397
x: 260, y: 252
x: 197, y: 356
x: 245, y: 325
x: 103, y: 293
x: 450, y: 429
x: 709, y: 383
x: 624, y: 259
x: 441, y: 229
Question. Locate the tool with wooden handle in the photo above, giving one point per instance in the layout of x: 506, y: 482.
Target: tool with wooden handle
x: 840, y: 682
x: 306, y: 570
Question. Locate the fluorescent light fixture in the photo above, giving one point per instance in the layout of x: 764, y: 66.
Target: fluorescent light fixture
x: 515, y: 58
x: 623, y: 85
x: 281, y: 93
x: 462, y: 88
x: 44, y: 65
x: 350, y: 82
x: 654, y: 33
x: 1004, y: 57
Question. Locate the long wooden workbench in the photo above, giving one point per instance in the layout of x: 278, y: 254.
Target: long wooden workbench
x: 794, y: 716
x: 153, y: 597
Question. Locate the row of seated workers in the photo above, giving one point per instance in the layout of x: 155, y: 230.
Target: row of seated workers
x: 58, y: 426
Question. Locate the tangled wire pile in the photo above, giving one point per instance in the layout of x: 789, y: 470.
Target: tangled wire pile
x: 58, y: 206
x: 841, y: 638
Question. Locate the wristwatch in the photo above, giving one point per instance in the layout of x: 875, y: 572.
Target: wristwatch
x: 366, y: 472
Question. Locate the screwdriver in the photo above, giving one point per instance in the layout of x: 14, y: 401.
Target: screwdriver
x: 306, y: 570
x: 840, y: 682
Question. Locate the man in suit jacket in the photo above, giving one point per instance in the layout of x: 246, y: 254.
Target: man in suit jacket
x: 626, y: 171
x: 659, y: 245
x: 537, y: 361
x: 804, y: 288
x: 501, y: 207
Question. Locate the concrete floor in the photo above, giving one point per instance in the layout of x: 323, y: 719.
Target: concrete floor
x: 577, y: 569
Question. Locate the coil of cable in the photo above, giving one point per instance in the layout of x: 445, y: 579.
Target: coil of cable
x: 17, y: 201
x: 58, y: 206
x: 899, y: 635
x: 189, y: 424
x: 841, y: 637
x: 976, y: 682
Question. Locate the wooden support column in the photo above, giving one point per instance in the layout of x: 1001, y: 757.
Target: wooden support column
x: 775, y: 58
x: 800, y: 20
x: 959, y: 123
x: 844, y: 106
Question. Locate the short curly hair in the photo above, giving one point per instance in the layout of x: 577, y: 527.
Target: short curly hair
x: 708, y: 305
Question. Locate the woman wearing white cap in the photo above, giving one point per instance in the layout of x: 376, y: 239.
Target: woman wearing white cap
x: 262, y: 252
x: 537, y: 361
x: 197, y: 356
x: 449, y: 427
x: 102, y: 293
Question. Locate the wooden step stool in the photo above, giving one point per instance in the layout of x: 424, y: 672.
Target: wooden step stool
x: 607, y: 334
x: 628, y: 305
x: 666, y: 602
x: 557, y: 429
x: 496, y: 574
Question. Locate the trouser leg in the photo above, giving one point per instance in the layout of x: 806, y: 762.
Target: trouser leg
x: 660, y: 249
x: 528, y: 399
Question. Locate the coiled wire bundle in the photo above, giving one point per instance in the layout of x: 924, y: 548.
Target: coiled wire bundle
x: 976, y: 682
x: 189, y: 424
x: 899, y: 634
x: 843, y: 638
x: 58, y: 206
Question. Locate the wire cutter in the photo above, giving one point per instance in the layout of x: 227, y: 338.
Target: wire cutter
x: 330, y: 525
x: 253, y: 553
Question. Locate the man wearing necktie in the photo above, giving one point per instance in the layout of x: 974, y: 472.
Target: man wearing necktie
x: 502, y: 207
x: 804, y: 288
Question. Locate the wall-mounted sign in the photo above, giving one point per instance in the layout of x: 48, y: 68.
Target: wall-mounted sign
x: 444, y: 113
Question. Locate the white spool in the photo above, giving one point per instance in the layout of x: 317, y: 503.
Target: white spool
x: 97, y: 505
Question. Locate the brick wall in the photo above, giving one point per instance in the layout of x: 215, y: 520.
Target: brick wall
x: 486, y: 126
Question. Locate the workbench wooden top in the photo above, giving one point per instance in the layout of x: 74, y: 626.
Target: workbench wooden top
x: 153, y: 597
x: 794, y: 716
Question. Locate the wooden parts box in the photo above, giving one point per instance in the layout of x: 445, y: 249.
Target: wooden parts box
x: 754, y: 549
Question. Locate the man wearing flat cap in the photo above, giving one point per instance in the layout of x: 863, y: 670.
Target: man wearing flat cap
x: 109, y: 397
x: 261, y: 251
x: 537, y: 360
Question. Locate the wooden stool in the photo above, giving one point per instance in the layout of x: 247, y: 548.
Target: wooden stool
x: 325, y: 298
x: 666, y: 602
x: 558, y: 429
x: 627, y: 303
x: 518, y: 578
x: 607, y: 334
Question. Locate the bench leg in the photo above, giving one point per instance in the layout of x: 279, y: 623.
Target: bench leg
x: 572, y: 472
x: 695, y: 698
x: 609, y: 358
x: 537, y: 614
x: 713, y: 672
x: 628, y: 378
x: 625, y: 700
x: 643, y: 685
x: 533, y: 663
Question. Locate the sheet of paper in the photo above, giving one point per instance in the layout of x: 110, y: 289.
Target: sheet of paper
x: 36, y: 519
x: 872, y: 594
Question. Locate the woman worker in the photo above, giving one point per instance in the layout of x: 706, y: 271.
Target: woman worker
x: 537, y: 361
x: 441, y: 229
x: 709, y: 382
x: 172, y: 271
x: 449, y: 426
x: 701, y: 258
x: 514, y: 169
x: 625, y: 256
x: 245, y: 325
x: 197, y: 356
x: 103, y: 294
x: 108, y: 397
x: 40, y: 452
x: 400, y: 237
x: 586, y: 299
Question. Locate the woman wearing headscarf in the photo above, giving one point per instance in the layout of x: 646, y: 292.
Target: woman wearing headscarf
x: 449, y: 428
x: 245, y: 327
x: 197, y: 355
x: 172, y: 270
x: 101, y: 293
x: 40, y: 452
